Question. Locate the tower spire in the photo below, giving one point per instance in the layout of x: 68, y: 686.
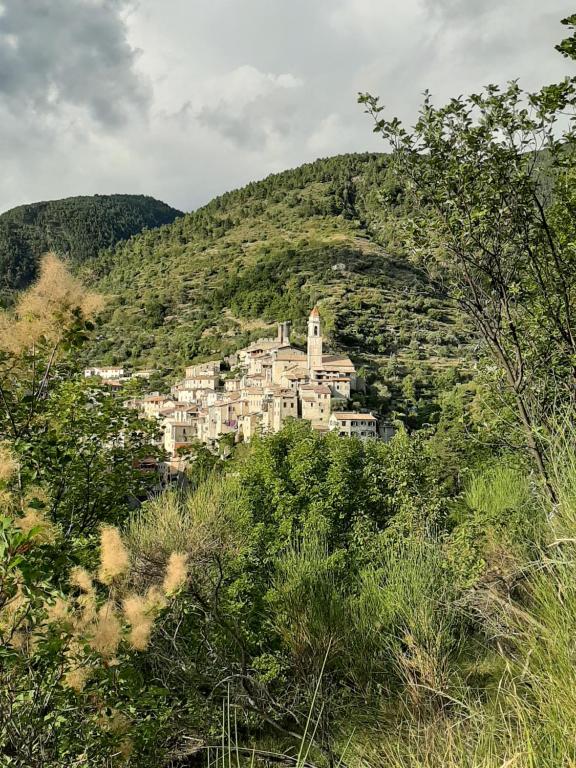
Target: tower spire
x: 314, y: 341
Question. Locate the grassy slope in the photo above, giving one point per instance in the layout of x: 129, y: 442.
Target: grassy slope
x: 217, y: 277
x: 76, y: 227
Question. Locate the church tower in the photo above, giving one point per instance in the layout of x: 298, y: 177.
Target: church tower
x: 314, y: 341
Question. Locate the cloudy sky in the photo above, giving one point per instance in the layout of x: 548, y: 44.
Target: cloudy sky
x: 184, y: 99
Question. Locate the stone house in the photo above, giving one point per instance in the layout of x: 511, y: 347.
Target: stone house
x: 199, y: 369
x: 315, y: 403
x: 106, y: 372
x: 152, y: 404
x: 352, y: 424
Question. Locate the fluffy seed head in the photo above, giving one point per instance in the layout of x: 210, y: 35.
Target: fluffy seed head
x: 107, y: 632
x: 76, y: 678
x: 176, y: 573
x: 57, y: 612
x: 47, y: 308
x: 87, y: 605
x: 114, y: 558
x: 137, y: 613
x: 139, y: 636
x: 155, y: 599
x: 8, y: 463
x: 35, y: 522
x: 79, y: 577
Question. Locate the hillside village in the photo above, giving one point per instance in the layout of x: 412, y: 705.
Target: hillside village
x: 267, y: 382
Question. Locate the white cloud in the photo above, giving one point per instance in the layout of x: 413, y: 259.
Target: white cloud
x: 248, y: 107
x: 332, y: 136
x: 245, y: 84
x: 377, y: 21
x: 183, y: 100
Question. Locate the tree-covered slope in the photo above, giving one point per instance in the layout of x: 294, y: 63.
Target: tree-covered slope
x: 224, y: 274
x: 76, y: 227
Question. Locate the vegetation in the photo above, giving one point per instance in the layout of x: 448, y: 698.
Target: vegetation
x: 77, y: 228
x: 312, y: 600
x: 483, y: 221
x: 223, y: 275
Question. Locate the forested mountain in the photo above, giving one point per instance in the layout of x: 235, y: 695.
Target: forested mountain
x: 324, y: 232
x: 307, y: 599
x: 76, y: 227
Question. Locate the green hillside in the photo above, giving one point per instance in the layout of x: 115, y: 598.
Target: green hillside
x: 223, y: 275
x: 76, y: 227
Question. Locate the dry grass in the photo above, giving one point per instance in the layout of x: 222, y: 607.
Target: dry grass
x: 114, y: 557
x: 47, y: 308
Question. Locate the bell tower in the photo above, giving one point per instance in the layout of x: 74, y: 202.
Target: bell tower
x: 314, y: 341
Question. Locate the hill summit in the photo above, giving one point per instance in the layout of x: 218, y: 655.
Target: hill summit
x: 75, y: 227
x: 220, y: 277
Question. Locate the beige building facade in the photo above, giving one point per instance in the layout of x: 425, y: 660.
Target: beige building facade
x: 272, y: 382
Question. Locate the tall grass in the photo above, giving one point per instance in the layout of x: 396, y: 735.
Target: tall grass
x: 524, y: 713
x: 197, y: 524
x: 497, y: 690
x: 403, y: 664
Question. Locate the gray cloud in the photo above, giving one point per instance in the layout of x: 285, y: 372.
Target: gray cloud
x: 252, y: 108
x: 58, y: 53
x: 184, y: 99
x: 454, y: 10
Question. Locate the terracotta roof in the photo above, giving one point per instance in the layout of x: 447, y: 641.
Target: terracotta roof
x: 321, y: 389
x: 315, y: 312
x: 289, y: 353
x: 298, y: 370
x: 333, y: 360
x: 353, y: 416
x: 277, y: 391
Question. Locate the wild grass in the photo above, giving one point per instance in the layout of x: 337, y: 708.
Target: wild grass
x: 455, y: 694
x: 524, y: 712
x: 398, y: 662
x: 194, y: 525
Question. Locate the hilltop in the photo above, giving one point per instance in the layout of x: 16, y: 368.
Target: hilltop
x: 223, y: 275
x: 75, y: 227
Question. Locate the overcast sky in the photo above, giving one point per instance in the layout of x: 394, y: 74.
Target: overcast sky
x: 185, y: 99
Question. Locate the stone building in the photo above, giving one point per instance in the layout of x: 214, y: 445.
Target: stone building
x: 271, y: 382
x: 354, y: 424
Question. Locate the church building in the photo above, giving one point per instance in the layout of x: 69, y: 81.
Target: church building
x: 335, y: 371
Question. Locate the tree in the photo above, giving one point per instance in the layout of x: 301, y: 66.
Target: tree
x: 275, y: 551
x: 488, y: 178
x: 70, y: 691
x: 86, y: 451
x: 75, y: 442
